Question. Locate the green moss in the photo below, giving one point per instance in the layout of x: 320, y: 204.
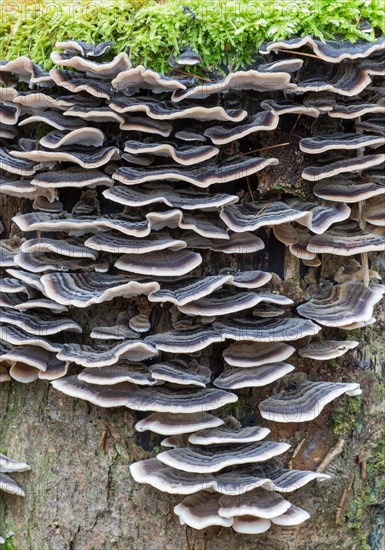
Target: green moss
x: 8, y: 545
x: 347, y: 417
x: 368, y: 493
x: 225, y: 32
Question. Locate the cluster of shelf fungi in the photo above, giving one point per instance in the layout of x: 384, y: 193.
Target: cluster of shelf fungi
x: 155, y: 191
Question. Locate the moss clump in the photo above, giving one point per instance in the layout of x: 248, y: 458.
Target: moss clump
x: 347, y: 417
x: 224, y: 32
x: 368, y: 502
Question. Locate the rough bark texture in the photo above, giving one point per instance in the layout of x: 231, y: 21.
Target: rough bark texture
x: 80, y: 495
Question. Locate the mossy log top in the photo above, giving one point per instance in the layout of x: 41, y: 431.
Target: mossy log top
x: 224, y: 32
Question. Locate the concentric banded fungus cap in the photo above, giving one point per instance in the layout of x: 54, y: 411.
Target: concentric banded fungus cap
x: 11, y: 300
x: 95, y: 114
x: 180, y: 372
x: 229, y: 171
x: 124, y: 371
x: 8, y: 485
x: 90, y: 137
x: 237, y: 481
x: 347, y: 79
x: 10, y: 465
x: 8, y: 132
x: 241, y: 80
x: 168, y: 264
x: 43, y: 325
x: 78, y: 47
x: 40, y: 262
x: 199, y: 223
x: 227, y: 133
x: 36, y: 101
x: 189, y: 135
x: 346, y: 240
x: 146, y: 125
x: 261, y: 330
x: 187, y: 290
x: 284, y: 106
x: 53, y: 119
x: 226, y: 303
x: 356, y: 164
x: 305, y: 402
x: 250, y: 217
x: 109, y: 242
x: 174, y: 424
x: 43, y: 204
x: 354, y: 110
x: 71, y: 177
x: 320, y: 144
x: 17, y: 166
x: 329, y: 349
x: 9, y: 115
x: 145, y: 399
x: 76, y: 83
x: 208, y: 460
x: 347, y: 189
x: 140, y: 323
x: 185, y: 199
x: 330, y: 51
x: 254, y: 354
x: 189, y: 57
x: 100, y: 356
x: 170, y: 480
x: 9, y: 285
x: 8, y: 251
x: 250, y: 525
x: 292, y: 516
x: 248, y: 279
x: 80, y: 225
x: 168, y: 111
x: 236, y: 378
x: 29, y: 355
x: 226, y: 434
x: 132, y: 80
x: 319, y: 216
x: 267, y: 475
x: 186, y: 340
x: 89, y: 160
x: 18, y: 337
x: 185, y: 155
x: 258, y: 502
x: 26, y: 71
x: 29, y: 279
x: 70, y: 247
x: 85, y: 289
x: 107, y: 70
x: 336, y: 306
x: 238, y: 243
x: 201, y: 511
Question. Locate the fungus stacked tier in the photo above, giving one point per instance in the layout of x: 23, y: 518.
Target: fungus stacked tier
x: 149, y: 190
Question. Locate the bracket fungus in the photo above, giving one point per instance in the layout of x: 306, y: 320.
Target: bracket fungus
x: 145, y: 191
x: 7, y: 484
